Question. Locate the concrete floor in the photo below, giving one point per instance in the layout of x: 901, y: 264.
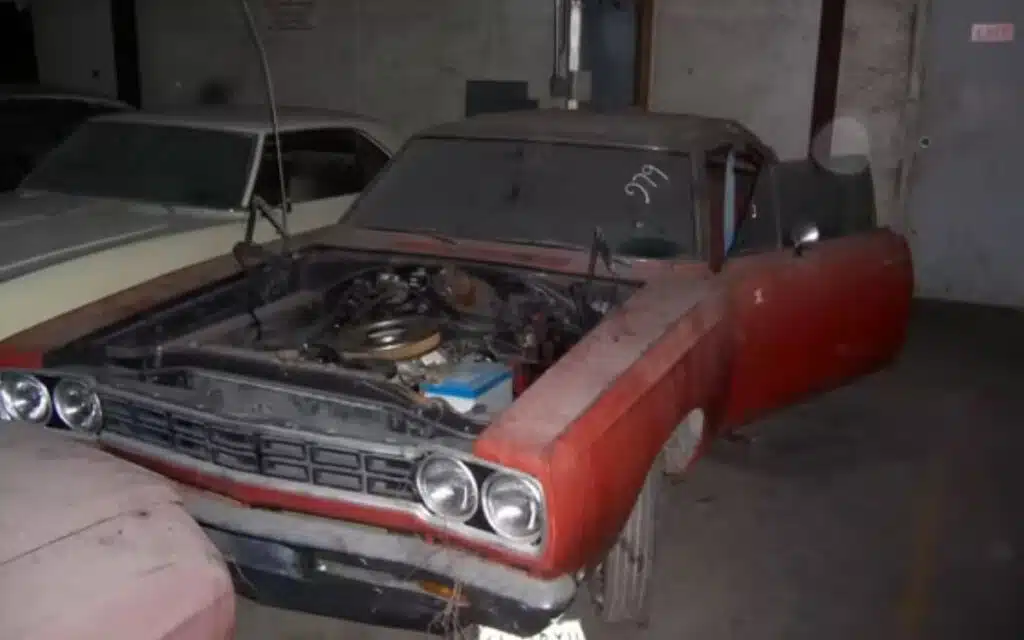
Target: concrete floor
x: 890, y: 509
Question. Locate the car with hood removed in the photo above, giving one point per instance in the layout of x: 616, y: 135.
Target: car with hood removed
x: 455, y: 409
x: 130, y: 196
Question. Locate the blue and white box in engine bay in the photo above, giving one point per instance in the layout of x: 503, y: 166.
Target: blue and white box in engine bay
x: 474, y: 387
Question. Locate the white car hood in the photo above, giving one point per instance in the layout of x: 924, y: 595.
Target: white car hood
x: 38, y: 230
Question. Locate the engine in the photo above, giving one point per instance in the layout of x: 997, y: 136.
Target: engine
x: 472, y: 338
x: 464, y: 339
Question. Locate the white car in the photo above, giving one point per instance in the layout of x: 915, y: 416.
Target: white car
x: 132, y: 196
x: 35, y: 119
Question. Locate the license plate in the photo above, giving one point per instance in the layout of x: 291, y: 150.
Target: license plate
x: 558, y: 630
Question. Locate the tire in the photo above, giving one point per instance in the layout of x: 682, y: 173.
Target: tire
x: 621, y: 585
x: 685, y: 443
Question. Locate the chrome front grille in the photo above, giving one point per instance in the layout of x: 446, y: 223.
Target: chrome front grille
x: 270, y: 456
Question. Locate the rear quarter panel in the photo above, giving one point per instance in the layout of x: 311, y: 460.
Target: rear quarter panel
x: 592, y: 426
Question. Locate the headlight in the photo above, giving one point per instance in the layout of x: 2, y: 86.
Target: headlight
x: 25, y: 398
x: 77, y: 405
x: 448, y: 488
x: 514, y: 506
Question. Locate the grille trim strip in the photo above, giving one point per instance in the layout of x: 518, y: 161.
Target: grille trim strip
x: 248, y: 450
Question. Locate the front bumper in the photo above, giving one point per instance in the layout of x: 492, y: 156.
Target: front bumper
x: 353, y: 572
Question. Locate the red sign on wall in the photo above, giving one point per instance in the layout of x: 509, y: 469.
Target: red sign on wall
x: 994, y: 32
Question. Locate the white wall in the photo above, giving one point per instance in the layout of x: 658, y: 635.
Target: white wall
x: 75, y: 45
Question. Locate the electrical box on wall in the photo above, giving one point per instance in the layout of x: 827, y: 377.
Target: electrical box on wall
x: 495, y: 96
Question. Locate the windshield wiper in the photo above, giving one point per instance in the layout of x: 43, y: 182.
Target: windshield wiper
x: 430, y: 233
x: 560, y: 244
x: 543, y: 242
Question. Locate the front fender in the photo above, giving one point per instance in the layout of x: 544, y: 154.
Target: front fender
x: 592, y: 426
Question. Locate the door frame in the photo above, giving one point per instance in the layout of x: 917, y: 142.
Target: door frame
x: 643, y: 60
x: 911, y: 116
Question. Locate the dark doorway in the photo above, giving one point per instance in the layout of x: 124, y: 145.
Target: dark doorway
x: 609, y: 52
x: 17, y: 46
x: 616, y: 50
x: 126, y: 51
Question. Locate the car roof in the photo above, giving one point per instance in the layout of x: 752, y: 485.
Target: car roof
x: 255, y: 119
x: 43, y: 92
x: 247, y: 119
x: 626, y: 128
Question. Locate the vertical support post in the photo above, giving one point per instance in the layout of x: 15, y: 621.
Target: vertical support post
x: 826, y: 72
x: 575, y: 45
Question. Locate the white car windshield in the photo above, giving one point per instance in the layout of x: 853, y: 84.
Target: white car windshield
x: 537, y: 193
x: 162, y: 164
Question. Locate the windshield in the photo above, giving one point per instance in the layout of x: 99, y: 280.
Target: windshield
x: 163, y: 164
x: 537, y: 192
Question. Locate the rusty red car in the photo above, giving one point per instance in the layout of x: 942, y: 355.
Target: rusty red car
x: 456, y: 407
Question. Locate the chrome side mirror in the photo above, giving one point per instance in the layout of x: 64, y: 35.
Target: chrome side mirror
x: 804, y: 235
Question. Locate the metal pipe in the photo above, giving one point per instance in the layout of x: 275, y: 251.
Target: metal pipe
x: 558, y: 58
x: 575, y: 42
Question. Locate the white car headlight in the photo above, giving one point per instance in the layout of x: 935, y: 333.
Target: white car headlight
x: 514, y: 506
x: 77, y: 405
x: 25, y: 398
x: 448, y: 488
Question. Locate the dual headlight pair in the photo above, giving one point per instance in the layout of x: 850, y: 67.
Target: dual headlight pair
x: 26, y: 398
x: 512, y: 505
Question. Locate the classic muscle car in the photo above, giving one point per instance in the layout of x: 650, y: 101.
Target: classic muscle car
x: 95, y: 548
x: 35, y: 119
x: 131, y: 196
x: 456, y: 407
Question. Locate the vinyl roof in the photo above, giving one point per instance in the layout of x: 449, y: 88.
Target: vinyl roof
x: 247, y: 118
x: 255, y: 119
x: 43, y: 92
x: 670, y: 131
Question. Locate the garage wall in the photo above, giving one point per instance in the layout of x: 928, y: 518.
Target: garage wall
x: 407, y: 61
x: 403, y: 61
x: 873, y: 88
x: 746, y: 59
x: 75, y: 45
x: 754, y: 61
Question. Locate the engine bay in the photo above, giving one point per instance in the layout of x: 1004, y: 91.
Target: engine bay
x: 470, y: 337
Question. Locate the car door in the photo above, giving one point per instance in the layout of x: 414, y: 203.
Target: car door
x: 810, y: 320
x: 325, y: 169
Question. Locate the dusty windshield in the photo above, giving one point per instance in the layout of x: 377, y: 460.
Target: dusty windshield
x: 171, y: 165
x: 537, y: 192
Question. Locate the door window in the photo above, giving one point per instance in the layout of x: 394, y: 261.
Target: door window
x: 750, y: 225
x: 318, y: 164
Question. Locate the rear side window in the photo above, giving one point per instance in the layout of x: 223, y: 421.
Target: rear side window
x: 319, y: 164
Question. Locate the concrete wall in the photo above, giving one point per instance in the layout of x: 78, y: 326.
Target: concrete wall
x: 873, y: 90
x: 75, y: 44
x: 754, y: 61
x: 746, y: 59
x: 404, y: 61
x: 407, y: 61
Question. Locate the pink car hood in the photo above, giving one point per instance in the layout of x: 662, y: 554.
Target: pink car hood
x: 94, y: 547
